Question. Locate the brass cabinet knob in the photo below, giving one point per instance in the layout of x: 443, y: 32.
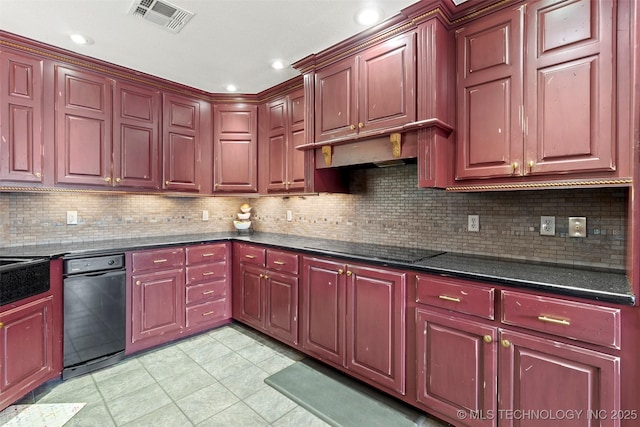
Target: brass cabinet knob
x: 531, y: 164
x: 266, y: 277
x: 166, y: 183
x: 118, y: 180
x: 349, y: 273
x: 107, y: 179
x: 38, y: 175
x: 487, y: 339
x: 352, y: 127
x: 515, y: 166
x: 261, y: 275
x: 1, y: 324
x: 360, y: 125
x: 505, y: 343
x: 138, y: 282
x: 340, y: 271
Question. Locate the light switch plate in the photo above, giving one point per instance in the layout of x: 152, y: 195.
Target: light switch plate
x: 577, y: 226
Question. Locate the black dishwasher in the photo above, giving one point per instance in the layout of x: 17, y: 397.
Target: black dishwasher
x: 94, y: 313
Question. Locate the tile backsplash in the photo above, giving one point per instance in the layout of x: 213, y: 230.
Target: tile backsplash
x: 384, y: 206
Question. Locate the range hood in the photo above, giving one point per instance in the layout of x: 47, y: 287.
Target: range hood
x: 382, y: 151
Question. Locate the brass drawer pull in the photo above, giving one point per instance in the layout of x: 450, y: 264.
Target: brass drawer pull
x: 447, y: 298
x: 207, y: 292
x: 555, y: 321
x: 250, y: 256
x: 208, y: 273
x: 208, y: 313
x: 158, y: 261
x: 206, y: 255
x: 278, y: 262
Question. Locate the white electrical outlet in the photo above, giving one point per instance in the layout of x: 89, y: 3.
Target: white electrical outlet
x: 72, y: 217
x: 289, y: 216
x: 205, y: 215
x: 473, y: 223
x: 547, y: 225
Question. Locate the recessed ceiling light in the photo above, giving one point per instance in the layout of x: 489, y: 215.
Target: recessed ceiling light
x: 368, y: 16
x: 80, y: 39
x: 231, y: 88
x: 277, y: 65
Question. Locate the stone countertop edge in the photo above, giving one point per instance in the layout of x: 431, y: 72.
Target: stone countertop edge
x: 577, y: 282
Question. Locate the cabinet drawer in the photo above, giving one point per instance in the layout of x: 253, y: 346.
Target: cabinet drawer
x: 207, y: 291
x: 157, y: 259
x: 252, y: 254
x: 207, y: 312
x: 282, y: 261
x: 456, y: 295
x: 199, y: 273
x: 584, y: 322
x: 206, y: 253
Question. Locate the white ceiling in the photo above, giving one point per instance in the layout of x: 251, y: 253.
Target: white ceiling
x: 227, y: 41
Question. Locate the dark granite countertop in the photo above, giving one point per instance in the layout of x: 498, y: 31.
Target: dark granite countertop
x: 579, y: 282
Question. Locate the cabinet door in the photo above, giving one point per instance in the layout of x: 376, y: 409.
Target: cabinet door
x: 323, y: 309
x: 570, y: 87
x: 387, y: 79
x: 282, y: 306
x: 21, y: 116
x: 26, y: 349
x: 251, y: 295
x: 336, y: 104
x: 181, y: 143
x: 235, y: 148
x: 489, y: 96
x: 456, y: 366
x: 540, y: 374
x: 296, y: 159
x: 376, y: 328
x: 83, y: 127
x: 275, y: 159
x: 136, y: 139
x: 157, y: 304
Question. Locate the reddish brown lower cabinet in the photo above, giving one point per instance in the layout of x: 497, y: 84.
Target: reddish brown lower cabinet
x: 27, y: 349
x: 353, y: 317
x: 31, y: 340
x: 155, y: 296
x: 543, y: 376
x: 208, y: 300
x: 456, y: 366
x: 266, y: 291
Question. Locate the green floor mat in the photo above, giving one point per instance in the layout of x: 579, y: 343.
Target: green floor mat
x: 340, y: 400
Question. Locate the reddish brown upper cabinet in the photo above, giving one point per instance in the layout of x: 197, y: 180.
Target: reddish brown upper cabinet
x: 83, y: 127
x: 281, y: 165
x: 235, y: 148
x: 354, y: 317
x: 21, y: 118
x: 136, y: 136
x: 182, y: 143
x: 365, y: 94
x: 536, y: 92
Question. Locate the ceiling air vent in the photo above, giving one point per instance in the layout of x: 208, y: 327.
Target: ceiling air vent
x: 163, y: 13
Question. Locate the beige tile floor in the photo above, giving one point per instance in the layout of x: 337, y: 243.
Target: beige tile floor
x: 213, y: 379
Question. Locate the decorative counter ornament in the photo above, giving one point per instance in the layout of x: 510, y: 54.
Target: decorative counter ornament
x: 243, y: 223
